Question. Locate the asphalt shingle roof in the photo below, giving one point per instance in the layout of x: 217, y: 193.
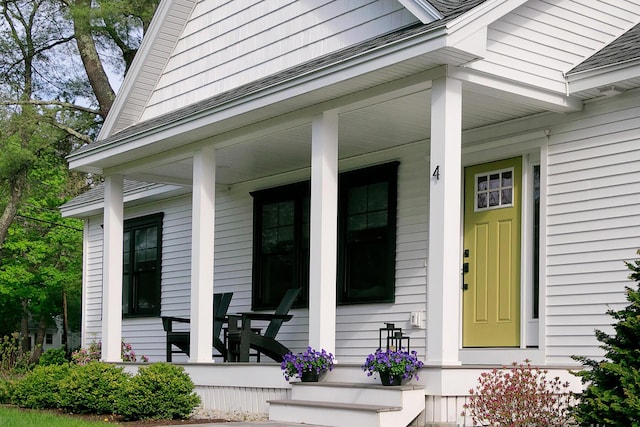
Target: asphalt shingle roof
x: 624, y: 48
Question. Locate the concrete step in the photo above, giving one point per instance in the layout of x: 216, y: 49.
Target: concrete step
x: 334, y: 414
x: 372, y: 394
x: 349, y: 404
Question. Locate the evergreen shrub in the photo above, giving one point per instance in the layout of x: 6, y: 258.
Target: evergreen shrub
x: 158, y: 391
x: 612, y: 394
x: 39, y: 388
x: 53, y: 356
x: 92, y: 388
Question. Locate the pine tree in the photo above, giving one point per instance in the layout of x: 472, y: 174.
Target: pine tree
x: 612, y: 396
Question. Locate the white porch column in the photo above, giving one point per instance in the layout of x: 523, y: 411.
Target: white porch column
x: 112, y: 269
x: 443, y: 295
x: 324, y: 232
x: 202, y: 244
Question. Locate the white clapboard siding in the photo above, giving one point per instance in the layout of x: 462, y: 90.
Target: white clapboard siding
x: 229, y: 43
x: 542, y: 39
x: 239, y: 400
x: 592, y: 222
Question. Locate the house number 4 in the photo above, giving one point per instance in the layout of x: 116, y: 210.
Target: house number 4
x: 436, y: 172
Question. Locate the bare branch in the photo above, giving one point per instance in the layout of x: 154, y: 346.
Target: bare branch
x: 51, y: 102
x: 72, y: 132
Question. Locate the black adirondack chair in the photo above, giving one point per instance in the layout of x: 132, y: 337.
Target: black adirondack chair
x: 181, y: 339
x: 244, y: 337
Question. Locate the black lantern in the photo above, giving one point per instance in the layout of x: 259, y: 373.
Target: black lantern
x: 394, y: 338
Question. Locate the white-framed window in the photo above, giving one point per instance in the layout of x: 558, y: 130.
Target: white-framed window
x: 494, y: 190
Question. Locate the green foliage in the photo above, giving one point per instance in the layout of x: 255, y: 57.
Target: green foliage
x: 612, y: 395
x: 92, y: 388
x: 6, y: 390
x: 519, y: 396
x: 13, y: 360
x: 159, y: 391
x: 53, y: 356
x: 40, y: 388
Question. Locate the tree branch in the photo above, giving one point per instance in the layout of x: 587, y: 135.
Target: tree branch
x: 51, y: 102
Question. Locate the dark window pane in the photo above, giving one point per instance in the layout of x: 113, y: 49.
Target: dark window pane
x: 378, y: 196
x: 141, y: 266
x: 270, y: 215
x: 506, y: 196
x: 482, y: 183
x: 367, y: 236
x: 357, y: 200
x: 494, y: 181
x: 482, y: 200
x: 506, y: 179
x: 366, y: 270
x: 494, y: 198
x: 357, y: 222
x: 377, y: 219
x: 285, y: 213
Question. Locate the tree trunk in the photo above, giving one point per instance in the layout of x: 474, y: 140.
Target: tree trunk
x: 65, y: 322
x: 25, y: 339
x: 98, y: 78
x: 17, y: 184
x: 37, y: 346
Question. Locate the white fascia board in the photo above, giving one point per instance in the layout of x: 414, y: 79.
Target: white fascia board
x: 131, y: 77
x: 468, y: 24
x: 603, y: 76
x: 195, y: 124
x: 423, y: 10
x: 94, y: 207
x: 536, y: 96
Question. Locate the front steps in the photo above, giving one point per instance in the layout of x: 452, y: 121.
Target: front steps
x: 349, y: 404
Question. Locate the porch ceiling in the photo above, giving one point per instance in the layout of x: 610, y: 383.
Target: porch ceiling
x: 394, y: 121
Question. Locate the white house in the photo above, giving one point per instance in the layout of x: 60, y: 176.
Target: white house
x: 467, y: 170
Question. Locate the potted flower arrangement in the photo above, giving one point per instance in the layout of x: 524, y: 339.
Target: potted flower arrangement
x: 393, y: 366
x: 307, y: 366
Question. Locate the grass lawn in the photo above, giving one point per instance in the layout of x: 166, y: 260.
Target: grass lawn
x: 14, y: 417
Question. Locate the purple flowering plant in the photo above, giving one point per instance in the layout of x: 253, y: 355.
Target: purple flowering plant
x: 395, y: 362
x: 293, y: 365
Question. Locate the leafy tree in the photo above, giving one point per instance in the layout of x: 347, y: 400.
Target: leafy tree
x: 56, y: 58
x: 612, y: 396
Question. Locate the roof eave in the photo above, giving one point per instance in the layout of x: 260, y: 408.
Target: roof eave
x: 423, y: 10
x: 88, y: 158
x: 603, y: 76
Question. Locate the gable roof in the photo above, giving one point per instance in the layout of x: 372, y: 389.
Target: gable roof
x: 451, y: 9
x: 624, y: 48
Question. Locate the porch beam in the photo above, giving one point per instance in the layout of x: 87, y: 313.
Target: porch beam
x: 112, y: 268
x: 443, y: 292
x: 324, y: 231
x: 202, y: 245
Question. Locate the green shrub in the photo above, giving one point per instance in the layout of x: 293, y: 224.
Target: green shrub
x: 12, y: 359
x: 53, y: 356
x: 158, y: 391
x: 39, y: 389
x: 612, y: 395
x: 6, y: 390
x: 92, y: 388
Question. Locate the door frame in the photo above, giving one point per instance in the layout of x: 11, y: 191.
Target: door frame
x: 532, y: 333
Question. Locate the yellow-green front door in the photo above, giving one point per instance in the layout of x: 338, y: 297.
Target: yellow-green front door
x: 491, y: 296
